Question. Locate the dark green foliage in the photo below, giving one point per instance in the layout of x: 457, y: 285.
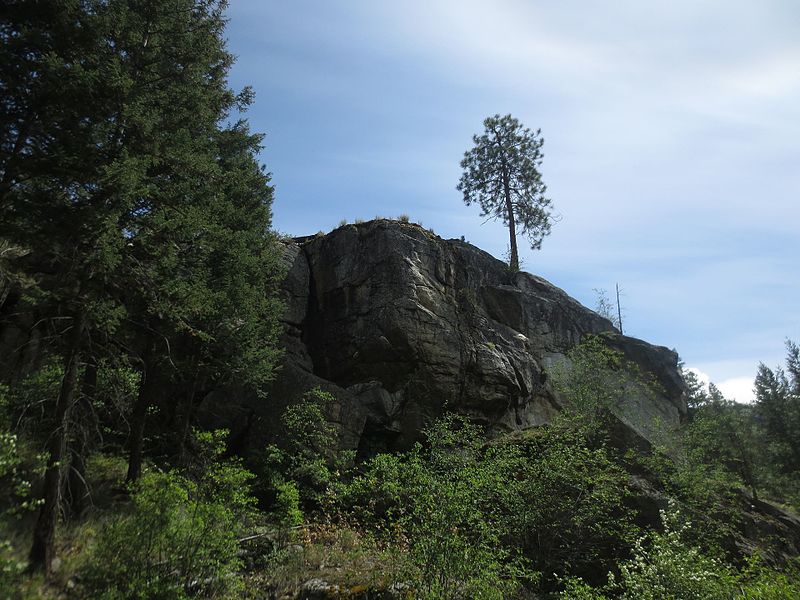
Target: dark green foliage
x: 28, y: 404
x: 448, y: 503
x: 14, y: 499
x: 304, y: 459
x: 719, y: 463
x: 728, y: 445
x: 571, y: 514
x: 456, y: 523
x: 179, y: 539
x: 778, y: 413
x: 134, y: 218
x: 666, y: 566
x: 17, y: 471
x: 595, y: 383
x: 496, y: 515
x: 722, y: 434
x: 501, y: 174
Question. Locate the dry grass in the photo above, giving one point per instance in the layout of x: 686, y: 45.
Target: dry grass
x: 341, y: 556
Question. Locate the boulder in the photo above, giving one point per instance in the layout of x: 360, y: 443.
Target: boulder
x: 401, y: 325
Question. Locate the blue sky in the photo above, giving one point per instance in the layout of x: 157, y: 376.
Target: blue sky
x: 672, y: 150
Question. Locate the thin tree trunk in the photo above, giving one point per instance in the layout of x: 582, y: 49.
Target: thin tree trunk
x: 139, y: 415
x: 512, y: 226
x: 185, y: 426
x: 78, y: 489
x: 43, y: 548
x: 7, y: 332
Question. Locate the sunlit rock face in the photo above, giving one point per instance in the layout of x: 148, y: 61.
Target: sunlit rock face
x: 401, y: 326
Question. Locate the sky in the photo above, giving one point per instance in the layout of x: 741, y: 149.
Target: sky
x: 672, y: 145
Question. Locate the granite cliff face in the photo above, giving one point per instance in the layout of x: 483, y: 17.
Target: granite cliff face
x: 401, y: 325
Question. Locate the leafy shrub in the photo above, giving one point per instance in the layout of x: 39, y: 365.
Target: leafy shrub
x: 488, y: 516
x: 600, y: 388
x: 442, y: 503
x: 179, y: 538
x: 758, y: 582
x: 17, y: 469
x: 15, y: 476
x: 28, y: 403
x: 15, y: 487
x: 664, y: 567
x: 287, y: 511
x: 569, y: 514
x: 305, y: 452
x: 381, y: 496
x: 11, y: 568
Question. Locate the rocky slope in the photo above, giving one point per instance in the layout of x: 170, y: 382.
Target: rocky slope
x: 401, y: 325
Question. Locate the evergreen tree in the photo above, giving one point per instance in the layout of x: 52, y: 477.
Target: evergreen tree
x: 66, y: 182
x: 778, y: 406
x: 722, y: 433
x: 501, y: 174
x: 141, y: 212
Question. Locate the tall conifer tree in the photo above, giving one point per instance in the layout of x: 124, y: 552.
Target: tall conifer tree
x: 143, y: 213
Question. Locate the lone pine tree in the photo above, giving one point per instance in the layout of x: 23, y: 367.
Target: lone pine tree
x: 501, y: 173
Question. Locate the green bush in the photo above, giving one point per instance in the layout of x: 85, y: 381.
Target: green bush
x: 15, y: 496
x: 381, y: 495
x: 443, y: 502
x: 761, y: 583
x: 664, y: 567
x: 305, y: 452
x: 28, y: 403
x: 179, y: 538
x: 570, y: 515
x: 287, y: 511
x: 11, y: 568
x: 597, y: 384
x: 14, y: 500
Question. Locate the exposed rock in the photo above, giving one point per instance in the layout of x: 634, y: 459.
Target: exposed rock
x: 401, y: 325
x: 318, y: 589
x: 769, y: 531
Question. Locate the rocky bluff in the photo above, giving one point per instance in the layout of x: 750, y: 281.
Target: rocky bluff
x: 401, y: 326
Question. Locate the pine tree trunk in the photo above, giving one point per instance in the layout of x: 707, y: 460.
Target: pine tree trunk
x: 43, y: 548
x: 78, y: 489
x: 512, y: 226
x: 187, y: 415
x: 184, y: 427
x: 139, y: 415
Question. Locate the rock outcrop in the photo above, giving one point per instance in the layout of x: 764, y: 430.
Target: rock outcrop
x: 401, y: 325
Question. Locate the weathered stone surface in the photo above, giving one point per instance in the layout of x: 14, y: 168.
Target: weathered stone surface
x: 401, y: 325
x: 318, y: 589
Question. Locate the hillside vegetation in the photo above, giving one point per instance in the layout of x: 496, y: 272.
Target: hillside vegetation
x: 555, y: 511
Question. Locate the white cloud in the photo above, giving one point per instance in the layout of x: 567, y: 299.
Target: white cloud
x: 701, y: 376
x: 739, y: 389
